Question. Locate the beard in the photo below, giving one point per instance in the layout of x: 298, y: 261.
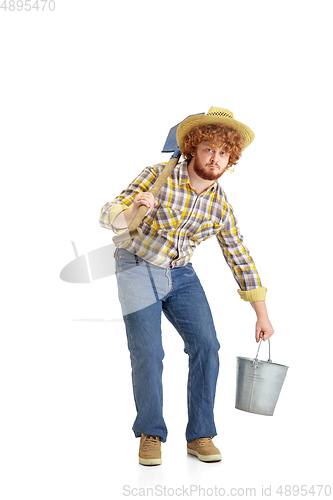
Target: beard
x: 205, y: 172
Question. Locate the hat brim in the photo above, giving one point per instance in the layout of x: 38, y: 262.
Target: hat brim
x: 198, y: 120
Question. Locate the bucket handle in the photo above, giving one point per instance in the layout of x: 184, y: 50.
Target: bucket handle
x: 255, y: 361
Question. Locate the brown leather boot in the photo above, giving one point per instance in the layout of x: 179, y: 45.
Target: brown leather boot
x: 150, y: 450
x: 204, y: 449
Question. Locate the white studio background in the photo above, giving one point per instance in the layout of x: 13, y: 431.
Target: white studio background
x: 88, y: 93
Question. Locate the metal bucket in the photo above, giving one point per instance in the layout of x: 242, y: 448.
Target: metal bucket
x: 259, y: 384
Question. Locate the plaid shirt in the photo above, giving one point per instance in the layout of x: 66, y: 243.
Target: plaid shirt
x: 181, y: 221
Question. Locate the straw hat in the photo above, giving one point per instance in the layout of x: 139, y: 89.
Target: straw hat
x: 216, y: 116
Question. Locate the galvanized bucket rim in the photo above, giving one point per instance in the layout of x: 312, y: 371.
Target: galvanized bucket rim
x: 261, y: 361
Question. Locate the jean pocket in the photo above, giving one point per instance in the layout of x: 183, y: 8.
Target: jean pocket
x: 125, y: 260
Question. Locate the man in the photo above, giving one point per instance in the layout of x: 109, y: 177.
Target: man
x: 154, y: 275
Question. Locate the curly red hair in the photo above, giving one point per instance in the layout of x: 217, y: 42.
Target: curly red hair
x: 219, y: 135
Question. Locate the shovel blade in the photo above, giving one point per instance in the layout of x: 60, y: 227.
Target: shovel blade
x: 171, y: 141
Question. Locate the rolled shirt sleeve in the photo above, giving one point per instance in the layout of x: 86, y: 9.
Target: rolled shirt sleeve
x: 113, y: 208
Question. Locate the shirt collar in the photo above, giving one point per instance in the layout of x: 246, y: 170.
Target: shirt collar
x: 184, y: 178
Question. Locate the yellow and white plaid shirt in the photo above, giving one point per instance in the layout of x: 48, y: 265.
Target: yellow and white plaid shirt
x: 181, y: 221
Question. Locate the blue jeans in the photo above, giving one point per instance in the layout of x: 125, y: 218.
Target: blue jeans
x: 144, y: 291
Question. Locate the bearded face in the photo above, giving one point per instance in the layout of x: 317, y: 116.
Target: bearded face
x: 209, y: 162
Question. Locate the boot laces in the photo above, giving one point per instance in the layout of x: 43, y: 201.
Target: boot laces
x: 205, y: 440
x: 151, y: 441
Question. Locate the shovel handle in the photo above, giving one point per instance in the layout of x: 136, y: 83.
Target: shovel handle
x: 133, y: 229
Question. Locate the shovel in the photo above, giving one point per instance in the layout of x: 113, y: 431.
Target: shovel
x: 133, y: 230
